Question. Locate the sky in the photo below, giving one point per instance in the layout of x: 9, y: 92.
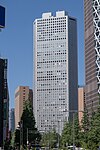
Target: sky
x: 16, y: 40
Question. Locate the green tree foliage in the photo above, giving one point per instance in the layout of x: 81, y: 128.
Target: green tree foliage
x: 13, y: 139
x: 66, y: 138
x: 28, y: 122
x: 17, y: 137
x: 87, y: 135
x: 54, y: 138
x: 50, y: 139
x: 85, y: 124
x: 7, y: 142
x: 71, y: 133
x: 77, y: 130
x: 94, y: 132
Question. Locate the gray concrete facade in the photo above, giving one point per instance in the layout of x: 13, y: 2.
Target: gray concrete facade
x: 55, y: 70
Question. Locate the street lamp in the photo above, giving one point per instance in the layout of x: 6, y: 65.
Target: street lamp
x: 58, y: 126
x: 49, y: 136
x: 48, y: 132
x: 21, y: 133
x: 20, y: 128
x: 27, y: 138
x: 18, y: 131
x: 30, y: 131
x: 50, y: 127
x: 58, y: 121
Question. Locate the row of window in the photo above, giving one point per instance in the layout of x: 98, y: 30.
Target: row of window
x: 50, y: 35
x: 49, y: 45
x: 56, y: 89
x: 51, y: 71
x: 50, y: 79
x: 61, y: 76
x: 50, y: 39
x: 52, y: 61
x: 57, y: 51
x: 52, y: 25
x: 51, y: 31
x: 50, y: 22
x: 52, y: 18
x: 50, y: 74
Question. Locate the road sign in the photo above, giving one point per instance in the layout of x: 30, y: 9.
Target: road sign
x: 2, y: 17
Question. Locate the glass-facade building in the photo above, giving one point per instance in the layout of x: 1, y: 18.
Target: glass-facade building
x: 4, y: 102
x: 92, y: 53
x: 12, y: 120
x: 55, y: 70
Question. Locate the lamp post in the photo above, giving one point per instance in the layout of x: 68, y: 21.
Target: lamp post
x: 49, y: 136
x: 21, y: 133
x: 58, y: 136
x: 58, y: 126
x: 73, y: 133
x: 58, y: 144
x: 27, y: 138
x: 29, y: 132
x: 20, y: 128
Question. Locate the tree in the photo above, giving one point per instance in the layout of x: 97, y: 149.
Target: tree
x: 17, y: 137
x: 77, y: 131
x: 66, y: 137
x: 94, y: 132
x: 50, y: 139
x: 28, y: 123
x: 7, y: 142
x: 13, y: 139
x: 71, y: 132
x: 85, y: 125
x: 85, y: 122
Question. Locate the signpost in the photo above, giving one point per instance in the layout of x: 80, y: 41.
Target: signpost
x: 2, y: 17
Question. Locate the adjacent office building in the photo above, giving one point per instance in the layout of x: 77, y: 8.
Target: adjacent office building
x: 22, y: 94
x: 4, y: 98
x: 55, y: 70
x: 4, y: 102
x: 81, y: 102
x: 12, y: 120
x: 92, y: 53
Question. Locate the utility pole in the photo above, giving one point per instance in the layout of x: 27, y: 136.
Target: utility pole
x: 58, y: 135
x: 21, y: 133
x: 49, y: 136
x: 73, y: 134
x: 27, y: 138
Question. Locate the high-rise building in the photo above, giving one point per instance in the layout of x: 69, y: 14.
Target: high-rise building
x: 92, y: 54
x: 31, y: 97
x: 55, y: 69
x: 81, y: 102
x: 1, y: 101
x: 2, y: 66
x: 12, y: 120
x: 22, y: 94
x: 4, y: 102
